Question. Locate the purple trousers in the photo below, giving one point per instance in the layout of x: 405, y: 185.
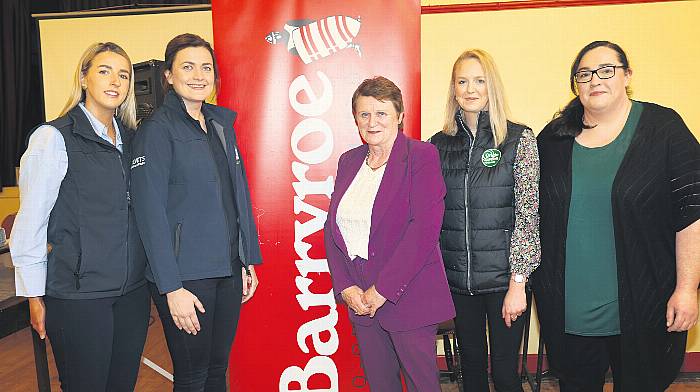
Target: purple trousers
x: 385, y: 355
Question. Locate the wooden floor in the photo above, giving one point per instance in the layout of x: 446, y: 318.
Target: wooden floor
x: 17, y: 372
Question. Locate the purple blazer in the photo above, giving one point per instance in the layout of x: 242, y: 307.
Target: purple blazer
x: 405, y: 263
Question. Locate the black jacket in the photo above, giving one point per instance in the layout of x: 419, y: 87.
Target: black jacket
x: 96, y: 251
x: 479, y: 207
x: 177, y: 196
x: 656, y: 193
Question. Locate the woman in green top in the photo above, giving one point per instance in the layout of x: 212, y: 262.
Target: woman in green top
x: 620, y: 231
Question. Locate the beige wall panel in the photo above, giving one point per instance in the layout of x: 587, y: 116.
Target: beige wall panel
x: 534, y: 49
x: 142, y: 36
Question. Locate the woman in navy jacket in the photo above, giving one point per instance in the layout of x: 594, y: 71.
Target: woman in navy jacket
x: 190, y: 193
x: 76, y: 250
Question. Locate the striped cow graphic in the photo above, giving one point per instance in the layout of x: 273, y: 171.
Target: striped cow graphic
x: 312, y: 40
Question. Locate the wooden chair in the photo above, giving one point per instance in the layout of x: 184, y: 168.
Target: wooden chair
x: 7, y: 224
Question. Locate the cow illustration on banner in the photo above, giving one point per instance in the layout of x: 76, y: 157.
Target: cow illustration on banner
x: 312, y: 40
x: 294, y: 121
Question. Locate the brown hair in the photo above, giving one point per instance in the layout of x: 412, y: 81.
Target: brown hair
x: 381, y: 89
x: 184, y: 41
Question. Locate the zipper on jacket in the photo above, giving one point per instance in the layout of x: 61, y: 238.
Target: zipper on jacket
x: 128, y: 206
x: 218, y: 185
x: 76, y: 273
x: 178, y: 233
x: 466, y: 207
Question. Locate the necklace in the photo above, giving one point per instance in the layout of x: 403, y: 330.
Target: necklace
x: 370, y: 166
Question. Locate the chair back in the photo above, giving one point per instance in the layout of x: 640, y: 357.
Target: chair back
x: 7, y: 224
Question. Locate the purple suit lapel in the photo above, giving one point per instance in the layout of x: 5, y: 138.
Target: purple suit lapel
x: 394, y: 175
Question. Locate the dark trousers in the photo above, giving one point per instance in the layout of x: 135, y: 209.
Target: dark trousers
x: 473, y: 312
x: 200, y: 361
x: 97, y: 343
x: 587, y: 360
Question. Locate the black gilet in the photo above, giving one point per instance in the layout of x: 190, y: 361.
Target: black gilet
x: 96, y: 251
x: 479, y: 207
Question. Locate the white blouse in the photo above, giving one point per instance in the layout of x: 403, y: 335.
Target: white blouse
x: 354, y: 216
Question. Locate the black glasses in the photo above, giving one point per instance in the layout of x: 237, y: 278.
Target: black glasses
x: 605, y: 72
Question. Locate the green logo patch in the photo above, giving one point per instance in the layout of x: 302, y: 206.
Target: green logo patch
x: 491, y: 157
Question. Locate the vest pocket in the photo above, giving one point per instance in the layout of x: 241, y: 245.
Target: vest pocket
x: 76, y: 272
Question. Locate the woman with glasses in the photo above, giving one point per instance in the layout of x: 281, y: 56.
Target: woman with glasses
x: 620, y: 227
x: 489, y: 238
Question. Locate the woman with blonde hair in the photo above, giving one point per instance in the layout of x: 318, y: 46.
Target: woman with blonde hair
x: 489, y: 237
x: 77, y: 254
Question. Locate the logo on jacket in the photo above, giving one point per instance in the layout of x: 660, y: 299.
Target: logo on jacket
x: 312, y: 40
x: 491, y: 157
x: 138, y: 161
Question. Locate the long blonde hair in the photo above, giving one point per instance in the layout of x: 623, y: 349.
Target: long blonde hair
x: 127, y: 110
x: 498, y: 108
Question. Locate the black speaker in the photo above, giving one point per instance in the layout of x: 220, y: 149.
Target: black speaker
x: 147, y: 87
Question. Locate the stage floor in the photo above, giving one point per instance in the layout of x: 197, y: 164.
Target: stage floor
x: 17, y: 372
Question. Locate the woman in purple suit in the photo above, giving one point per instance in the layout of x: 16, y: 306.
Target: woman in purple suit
x: 382, y: 246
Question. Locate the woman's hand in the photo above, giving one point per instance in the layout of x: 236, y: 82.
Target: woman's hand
x: 250, y: 283
x: 682, y: 310
x: 353, y: 298
x: 182, y: 305
x: 373, y: 299
x: 515, y: 303
x: 37, y: 315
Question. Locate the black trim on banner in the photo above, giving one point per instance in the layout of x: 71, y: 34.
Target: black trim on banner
x: 123, y: 11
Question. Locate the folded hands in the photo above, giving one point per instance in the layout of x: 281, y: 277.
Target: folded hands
x: 363, y: 303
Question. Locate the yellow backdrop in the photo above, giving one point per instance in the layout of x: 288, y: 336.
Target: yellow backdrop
x: 143, y: 37
x: 534, y: 49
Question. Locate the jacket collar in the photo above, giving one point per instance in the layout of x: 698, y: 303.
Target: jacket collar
x: 483, y: 123
x: 394, y: 175
x: 175, y: 103
x: 83, y: 127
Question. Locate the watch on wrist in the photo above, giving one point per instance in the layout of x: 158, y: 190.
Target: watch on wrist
x: 518, y: 278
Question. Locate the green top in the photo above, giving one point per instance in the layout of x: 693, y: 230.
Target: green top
x: 591, y: 299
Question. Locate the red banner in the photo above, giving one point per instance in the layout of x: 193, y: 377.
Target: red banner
x: 289, y: 69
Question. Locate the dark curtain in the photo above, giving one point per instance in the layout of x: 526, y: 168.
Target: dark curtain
x: 79, y: 5
x: 16, y: 107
